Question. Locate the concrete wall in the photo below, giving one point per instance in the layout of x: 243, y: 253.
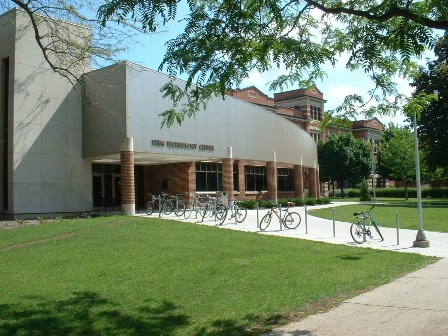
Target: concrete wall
x: 48, y: 171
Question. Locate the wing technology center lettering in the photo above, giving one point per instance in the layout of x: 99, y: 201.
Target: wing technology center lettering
x: 182, y: 145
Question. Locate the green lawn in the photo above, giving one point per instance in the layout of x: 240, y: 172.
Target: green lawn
x: 435, y: 214
x: 139, y: 276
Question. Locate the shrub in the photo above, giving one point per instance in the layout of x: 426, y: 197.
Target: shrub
x: 249, y: 204
x: 323, y: 200
x: 299, y: 201
x: 310, y: 201
x: 364, y: 191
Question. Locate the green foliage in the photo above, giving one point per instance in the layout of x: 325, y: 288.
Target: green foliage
x: 433, y: 119
x: 441, y: 192
x: 224, y: 41
x: 364, y: 191
x: 397, y: 154
x: 323, y: 200
x: 298, y: 201
x: 344, y: 159
x: 249, y: 204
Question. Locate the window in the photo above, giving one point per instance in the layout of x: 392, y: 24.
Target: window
x: 316, y: 136
x: 256, y: 179
x: 285, y: 179
x: 316, y: 113
x: 208, y: 176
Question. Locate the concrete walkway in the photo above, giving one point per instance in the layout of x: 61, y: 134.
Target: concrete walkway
x: 416, y: 304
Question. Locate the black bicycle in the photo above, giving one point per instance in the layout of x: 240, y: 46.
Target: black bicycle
x: 362, y: 228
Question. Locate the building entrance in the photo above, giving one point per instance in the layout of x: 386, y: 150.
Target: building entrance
x: 106, y: 186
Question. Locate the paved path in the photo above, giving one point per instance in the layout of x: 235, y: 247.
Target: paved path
x: 416, y: 304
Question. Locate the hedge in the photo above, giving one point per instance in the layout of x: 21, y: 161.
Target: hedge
x: 251, y: 204
x: 441, y: 192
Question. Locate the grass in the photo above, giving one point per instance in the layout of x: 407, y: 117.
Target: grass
x: 138, y: 276
x: 434, y: 213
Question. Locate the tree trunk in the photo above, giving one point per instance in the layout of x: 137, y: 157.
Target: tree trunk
x: 406, y: 191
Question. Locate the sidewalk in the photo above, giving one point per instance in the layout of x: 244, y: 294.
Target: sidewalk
x: 416, y: 304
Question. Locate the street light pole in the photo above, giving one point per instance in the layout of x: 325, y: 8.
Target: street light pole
x: 420, y: 240
x: 373, y: 171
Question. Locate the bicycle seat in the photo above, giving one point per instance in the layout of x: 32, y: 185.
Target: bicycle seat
x: 357, y: 214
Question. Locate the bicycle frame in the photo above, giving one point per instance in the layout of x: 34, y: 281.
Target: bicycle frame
x: 365, y: 222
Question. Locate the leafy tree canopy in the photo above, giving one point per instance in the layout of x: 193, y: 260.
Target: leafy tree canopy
x: 224, y: 41
x: 433, y: 123
x: 344, y: 159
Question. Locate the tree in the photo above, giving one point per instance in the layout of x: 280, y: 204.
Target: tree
x: 225, y: 40
x: 67, y: 51
x: 342, y: 158
x: 433, y: 122
x: 397, y: 155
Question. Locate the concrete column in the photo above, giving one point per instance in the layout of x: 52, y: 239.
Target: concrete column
x: 127, y: 176
x: 227, y: 174
x: 298, y: 180
x: 271, y: 170
x: 312, y: 183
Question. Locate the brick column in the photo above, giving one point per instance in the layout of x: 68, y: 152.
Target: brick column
x: 298, y: 180
x: 241, y: 179
x: 227, y: 174
x: 127, y: 176
x: 318, y: 182
x: 271, y: 171
x: 312, y: 183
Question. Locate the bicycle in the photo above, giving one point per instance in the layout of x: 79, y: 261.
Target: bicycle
x: 212, y: 207
x: 176, y: 204
x: 360, y: 230
x: 156, y: 202
x: 161, y: 202
x: 290, y: 220
x: 236, y: 210
x: 191, y: 206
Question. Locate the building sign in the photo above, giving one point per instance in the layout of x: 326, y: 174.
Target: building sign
x: 182, y: 145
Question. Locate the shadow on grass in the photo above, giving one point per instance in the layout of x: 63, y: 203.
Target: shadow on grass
x: 88, y: 313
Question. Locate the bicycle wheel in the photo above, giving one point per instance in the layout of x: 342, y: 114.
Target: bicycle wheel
x: 167, y: 207
x: 202, y: 210
x: 221, y: 212
x: 378, y: 230
x: 188, y: 210
x: 292, y: 220
x: 356, y: 230
x: 241, y: 214
x: 149, y: 208
x: 180, y: 209
x: 223, y: 215
x: 265, y: 221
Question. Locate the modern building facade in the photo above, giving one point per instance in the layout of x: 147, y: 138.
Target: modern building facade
x: 68, y: 149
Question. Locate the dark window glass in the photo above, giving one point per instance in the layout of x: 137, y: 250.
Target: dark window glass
x: 208, y: 176
x: 285, y: 179
x: 256, y: 179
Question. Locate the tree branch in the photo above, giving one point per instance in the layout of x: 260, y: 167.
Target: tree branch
x: 392, y: 12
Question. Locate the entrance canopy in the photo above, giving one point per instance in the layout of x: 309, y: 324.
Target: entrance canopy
x: 124, y: 100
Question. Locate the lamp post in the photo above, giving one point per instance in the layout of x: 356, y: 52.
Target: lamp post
x: 420, y: 240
